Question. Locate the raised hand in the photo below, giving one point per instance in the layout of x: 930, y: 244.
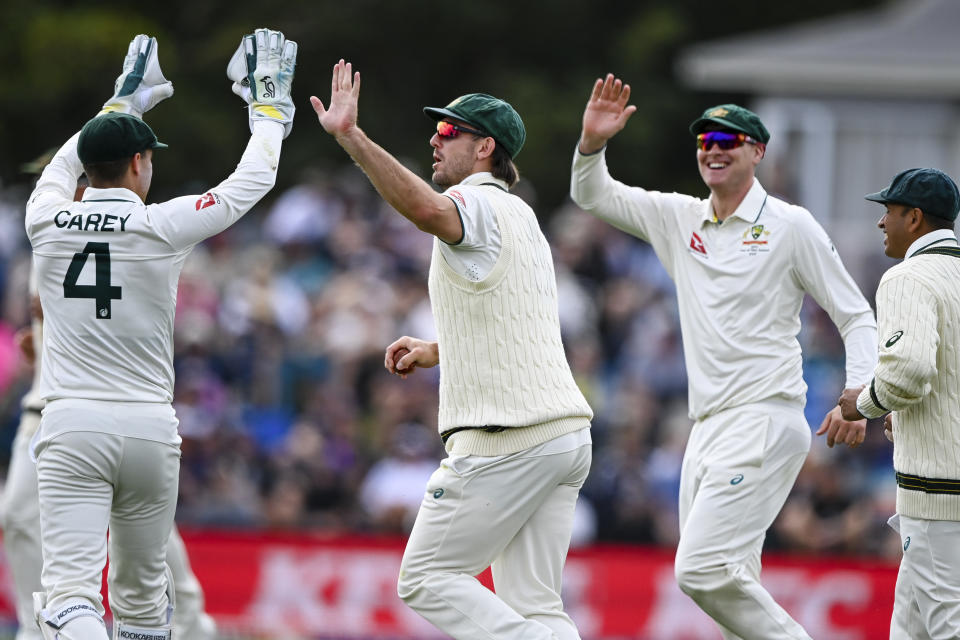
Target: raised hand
x: 141, y: 85
x: 341, y: 117
x: 606, y: 113
x: 262, y: 70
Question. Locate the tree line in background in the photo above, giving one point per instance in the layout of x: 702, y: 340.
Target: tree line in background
x: 60, y: 59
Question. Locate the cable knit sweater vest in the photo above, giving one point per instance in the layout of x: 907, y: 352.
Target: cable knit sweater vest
x: 502, y: 362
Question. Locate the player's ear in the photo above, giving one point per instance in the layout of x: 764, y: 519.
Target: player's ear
x: 914, y: 218
x: 485, y: 150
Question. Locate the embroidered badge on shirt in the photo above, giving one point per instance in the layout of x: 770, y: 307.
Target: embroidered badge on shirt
x: 755, y: 240
x: 207, y: 200
x: 696, y: 244
x: 458, y: 197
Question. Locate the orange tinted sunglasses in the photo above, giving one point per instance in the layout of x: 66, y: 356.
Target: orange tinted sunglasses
x: 449, y: 130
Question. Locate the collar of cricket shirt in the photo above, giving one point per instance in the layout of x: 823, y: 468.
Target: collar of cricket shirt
x: 111, y: 194
x: 748, y: 210
x: 485, y: 177
x: 938, y: 238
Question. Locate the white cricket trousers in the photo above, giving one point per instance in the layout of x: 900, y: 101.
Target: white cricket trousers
x: 738, y: 469
x: 21, y: 540
x: 89, y: 481
x: 513, y: 513
x: 927, y: 602
x: 21, y: 525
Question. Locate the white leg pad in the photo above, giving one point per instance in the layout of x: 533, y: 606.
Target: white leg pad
x: 124, y: 631
x: 52, y: 622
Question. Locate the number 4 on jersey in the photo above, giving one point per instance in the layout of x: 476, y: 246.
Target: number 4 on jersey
x: 101, y: 291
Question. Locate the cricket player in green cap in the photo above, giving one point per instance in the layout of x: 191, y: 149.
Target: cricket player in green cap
x: 514, y: 423
x: 742, y: 261
x: 107, y: 269
x: 916, y: 385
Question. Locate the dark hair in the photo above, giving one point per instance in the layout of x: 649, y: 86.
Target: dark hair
x: 503, y: 167
x: 106, y: 172
x: 937, y: 222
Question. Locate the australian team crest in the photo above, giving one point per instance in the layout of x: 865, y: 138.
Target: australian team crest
x: 755, y: 240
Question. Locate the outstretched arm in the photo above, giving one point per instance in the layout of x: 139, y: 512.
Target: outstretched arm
x: 262, y: 70
x: 139, y: 87
x: 606, y: 113
x: 400, y: 187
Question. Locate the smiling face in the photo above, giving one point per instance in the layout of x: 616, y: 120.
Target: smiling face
x: 729, y: 171
x: 898, y: 226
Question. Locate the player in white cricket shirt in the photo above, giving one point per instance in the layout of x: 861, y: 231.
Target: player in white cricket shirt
x: 20, y: 516
x: 107, y: 267
x: 742, y: 261
x: 917, y: 381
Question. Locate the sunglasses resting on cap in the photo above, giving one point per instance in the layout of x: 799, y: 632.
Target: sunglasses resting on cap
x: 449, y: 130
x: 724, y: 139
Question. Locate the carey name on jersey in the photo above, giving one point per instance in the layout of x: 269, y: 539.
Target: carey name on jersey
x: 91, y: 221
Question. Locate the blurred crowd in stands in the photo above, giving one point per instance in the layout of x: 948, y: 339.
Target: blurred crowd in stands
x: 290, y: 422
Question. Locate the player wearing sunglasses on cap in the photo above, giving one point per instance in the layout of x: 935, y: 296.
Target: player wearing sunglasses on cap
x: 514, y: 423
x: 742, y: 261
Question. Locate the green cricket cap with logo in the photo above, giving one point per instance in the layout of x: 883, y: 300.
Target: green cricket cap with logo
x: 732, y: 116
x: 931, y: 190
x: 115, y: 136
x: 491, y: 115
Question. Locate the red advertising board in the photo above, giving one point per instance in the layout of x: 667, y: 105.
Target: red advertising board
x: 286, y: 587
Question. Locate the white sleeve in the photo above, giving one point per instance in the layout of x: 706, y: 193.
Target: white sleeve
x: 187, y: 220
x: 58, y: 182
x: 821, y: 273
x: 647, y: 215
x: 476, y: 215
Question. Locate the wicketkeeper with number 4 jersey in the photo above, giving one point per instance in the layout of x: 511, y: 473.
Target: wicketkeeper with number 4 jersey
x: 107, y: 450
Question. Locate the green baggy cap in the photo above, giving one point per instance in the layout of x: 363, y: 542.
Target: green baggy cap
x: 491, y: 115
x: 735, y: 117
x: 115, y: 136
x: 931, y: 190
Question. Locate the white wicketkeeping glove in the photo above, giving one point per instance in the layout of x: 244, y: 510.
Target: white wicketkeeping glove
x: 262, y: 73
x: 141, y: 85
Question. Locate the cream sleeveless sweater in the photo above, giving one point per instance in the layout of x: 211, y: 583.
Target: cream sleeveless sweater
x: 502, y: 363
x: 918, y: 376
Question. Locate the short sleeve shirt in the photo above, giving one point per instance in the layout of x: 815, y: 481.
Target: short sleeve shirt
x: 477, y: 252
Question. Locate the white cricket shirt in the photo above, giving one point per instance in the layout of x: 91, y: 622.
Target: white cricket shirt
x: 476, y: 254
x: 107, y: 270
x: 740, y: 285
